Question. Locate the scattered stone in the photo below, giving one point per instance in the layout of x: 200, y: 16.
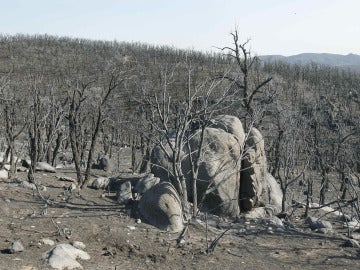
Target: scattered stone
x: 28, y: 267
x: 70, y: 187
x: 138, y: 221
x: 40, y: 166
x: 355, y: 236
x: 280, y: 229
x: 276, y: 222
x: 7, y: 167
x: 354, y: 224
x: 323, y: 230
x: 15, y: 247
x: 78, y: 244
x: 104, y: 163
x: 131, y: 227
x: 64, y: 256
x: 28, y: 185
x: 319, y: 225
x: 21, y: 169
x: 66, y: 179
x: 124, y: 194
x: 4, y: 174
x: 256, y: 213
x: 351, y: 243
x: 100, y: 183
x: 59, y: 166
x: 47, y: 241
x: 145, y: 183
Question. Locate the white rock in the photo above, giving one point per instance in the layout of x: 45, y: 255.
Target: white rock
x: 78, y: 244
x: 28, y: 185
x: 100, y: 183
x: 16, y: 247
x: 352, y: 224
x: 7, y: 167
x: 4, y: 174
x: 64, y: 256
x: 47, y: 241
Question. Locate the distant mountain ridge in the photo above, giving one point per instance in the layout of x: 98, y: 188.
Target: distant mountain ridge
x: 349, y: 61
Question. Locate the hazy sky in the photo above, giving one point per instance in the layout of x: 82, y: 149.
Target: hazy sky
x: 274, y: 26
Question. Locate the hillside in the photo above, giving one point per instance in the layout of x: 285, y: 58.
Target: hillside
x: 80, y: 104
x: 350, y: 61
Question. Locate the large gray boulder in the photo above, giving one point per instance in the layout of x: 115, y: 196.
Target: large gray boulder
x: 232, y: 167
x: 161, y: 207
x: 253, y: 171
x: 219, y: 172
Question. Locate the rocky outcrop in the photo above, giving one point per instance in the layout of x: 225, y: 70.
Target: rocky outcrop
x: 232, y: 172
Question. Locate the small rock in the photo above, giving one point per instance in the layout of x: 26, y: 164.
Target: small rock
x: 28, y: 185
x: 351, y: 243
x: 28, y: 267
x: 138, y: 221
x: 7, y: 167
x: 66, y: 179
x: 124, y: 194
x: 131, y: 227
x: 100, y: 183
x: 71, y: 187
x: 16, y: 247
x: 47, y: 241
x: 355, y: 236
x: 323, y: 230
x: 275, y: 221
x: 4, y: 174
x: 352, y: 224
x: 7, y: 200
x: 145, y: 183
x: 315, y: 224
x: 64, y: 256
x: 78, y: 244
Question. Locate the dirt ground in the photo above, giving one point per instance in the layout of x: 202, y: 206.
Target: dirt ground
x: 116, y: 241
